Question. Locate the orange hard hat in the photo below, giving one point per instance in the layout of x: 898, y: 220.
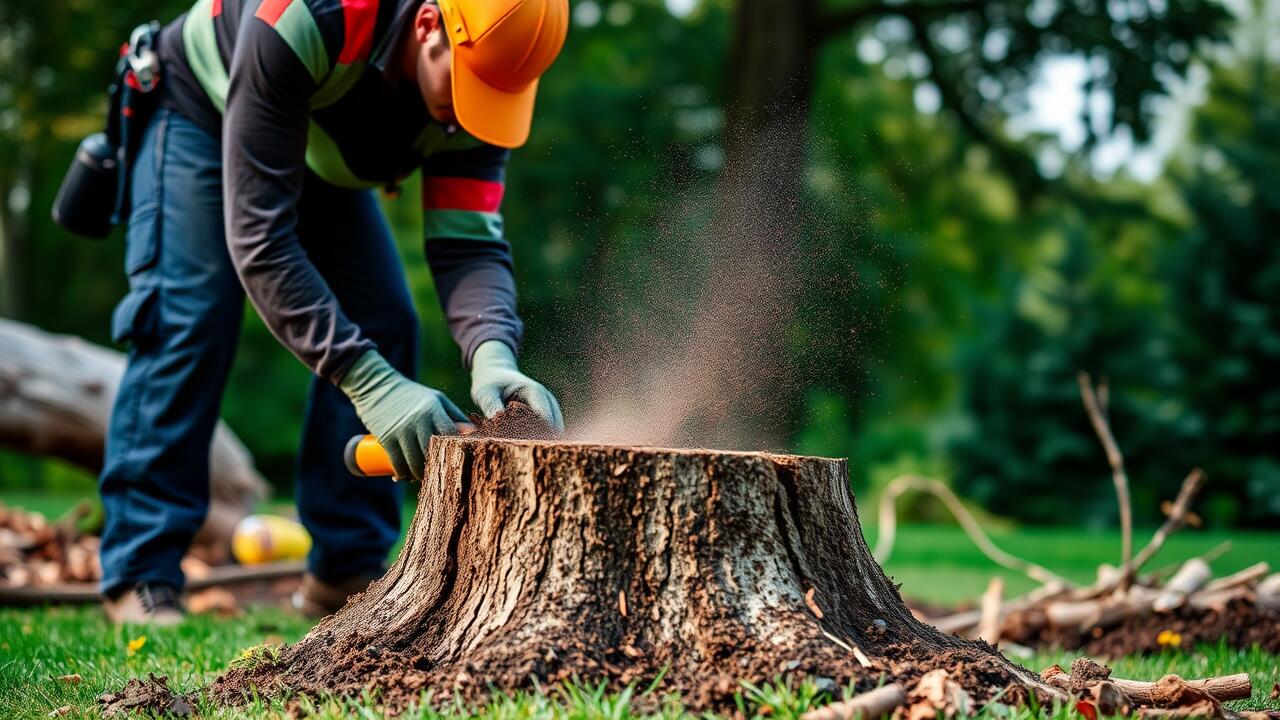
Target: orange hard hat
x: 500, y: 49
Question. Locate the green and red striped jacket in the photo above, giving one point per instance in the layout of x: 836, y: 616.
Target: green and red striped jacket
x: 293, y: 86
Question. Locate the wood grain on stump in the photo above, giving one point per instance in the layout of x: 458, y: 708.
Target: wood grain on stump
x: 533, y: 561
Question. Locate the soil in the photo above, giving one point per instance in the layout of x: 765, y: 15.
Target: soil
x: 1085, y: 673
x: 708, y: 684
x: 151, y: 696
x: 1240, y: 624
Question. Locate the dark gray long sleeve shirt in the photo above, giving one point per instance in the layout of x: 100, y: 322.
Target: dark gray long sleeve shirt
x: 300, y: 84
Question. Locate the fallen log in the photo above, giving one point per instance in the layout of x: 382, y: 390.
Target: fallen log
x: 56, y: 393
x: 532, y: 562
x: 867, y: 706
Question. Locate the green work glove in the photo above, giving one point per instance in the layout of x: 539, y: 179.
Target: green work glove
x: 402, y: 414
x: 495, y: 379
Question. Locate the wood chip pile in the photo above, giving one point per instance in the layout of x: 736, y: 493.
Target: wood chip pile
x: 43, y: 561
x: 37, y: 553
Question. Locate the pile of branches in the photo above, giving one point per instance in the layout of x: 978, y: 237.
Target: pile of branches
x: 1124, y: 610
x: 37, y: 553
x: 1089, y: 688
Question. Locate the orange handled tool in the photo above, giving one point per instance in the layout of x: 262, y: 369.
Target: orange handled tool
x: 364, y: 457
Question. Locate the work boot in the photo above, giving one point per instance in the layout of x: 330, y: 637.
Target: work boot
x: 317, y: 598
x: 145, y: 604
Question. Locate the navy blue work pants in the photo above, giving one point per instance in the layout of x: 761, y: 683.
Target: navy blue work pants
x: 182, y: 318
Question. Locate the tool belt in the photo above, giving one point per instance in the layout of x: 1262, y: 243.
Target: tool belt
x: 94, y: 195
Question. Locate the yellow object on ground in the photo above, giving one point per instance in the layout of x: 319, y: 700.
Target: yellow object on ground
x: 267, y: 538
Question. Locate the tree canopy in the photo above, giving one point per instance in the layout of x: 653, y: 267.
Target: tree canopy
x: 944, y: 277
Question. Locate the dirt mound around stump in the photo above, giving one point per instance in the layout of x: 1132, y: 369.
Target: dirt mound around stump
x: 707, y: 684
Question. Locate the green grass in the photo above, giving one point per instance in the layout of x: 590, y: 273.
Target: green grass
x: 938, y: 564
x: 935, y: 563
x: 37, y: 646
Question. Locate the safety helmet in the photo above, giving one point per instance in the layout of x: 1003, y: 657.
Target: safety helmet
x: 500, y: 49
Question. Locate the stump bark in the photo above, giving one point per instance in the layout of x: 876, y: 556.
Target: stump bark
x: 533, y: 561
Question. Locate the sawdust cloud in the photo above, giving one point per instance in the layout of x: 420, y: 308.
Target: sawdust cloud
x: 693, y: 342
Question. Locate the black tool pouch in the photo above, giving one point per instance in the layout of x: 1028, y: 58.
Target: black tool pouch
x: 94, y: 195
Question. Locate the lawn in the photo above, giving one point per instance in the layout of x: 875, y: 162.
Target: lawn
x: 934, y: 563
x: 40, y: 645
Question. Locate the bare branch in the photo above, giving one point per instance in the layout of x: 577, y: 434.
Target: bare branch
x: 1177, y: 518
x: 1102, y: 426
x: 888, y: 523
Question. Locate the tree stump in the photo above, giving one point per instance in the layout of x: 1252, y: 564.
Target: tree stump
x: 541, y: 561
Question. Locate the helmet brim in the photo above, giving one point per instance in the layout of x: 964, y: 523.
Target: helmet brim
x: 498, y: 117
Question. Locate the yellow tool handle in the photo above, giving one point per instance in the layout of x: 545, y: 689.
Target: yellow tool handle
x: 364, y: 457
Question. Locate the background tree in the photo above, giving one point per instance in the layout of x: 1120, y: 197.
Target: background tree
x: 951, y: 280
x: 1180, y: 316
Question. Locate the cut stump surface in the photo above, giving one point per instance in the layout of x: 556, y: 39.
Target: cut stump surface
x: 532, y: 561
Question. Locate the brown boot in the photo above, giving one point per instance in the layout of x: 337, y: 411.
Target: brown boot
x: 317, y: 598
x: 145, y: 604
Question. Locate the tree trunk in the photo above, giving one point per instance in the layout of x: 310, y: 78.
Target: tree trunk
x: 56, y: 393
x: 535, y: 561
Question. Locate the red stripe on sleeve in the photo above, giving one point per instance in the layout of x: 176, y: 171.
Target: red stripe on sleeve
x: 358, y: 18
x: 216, y: 8
x: 456, y: 193
x: 271, y: 10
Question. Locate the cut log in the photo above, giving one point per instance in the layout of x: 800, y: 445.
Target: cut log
x: 733, y: 566
x: 56, y: 393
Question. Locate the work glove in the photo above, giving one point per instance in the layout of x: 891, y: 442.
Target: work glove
x: 402, y: 414
x: 495, y: 379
